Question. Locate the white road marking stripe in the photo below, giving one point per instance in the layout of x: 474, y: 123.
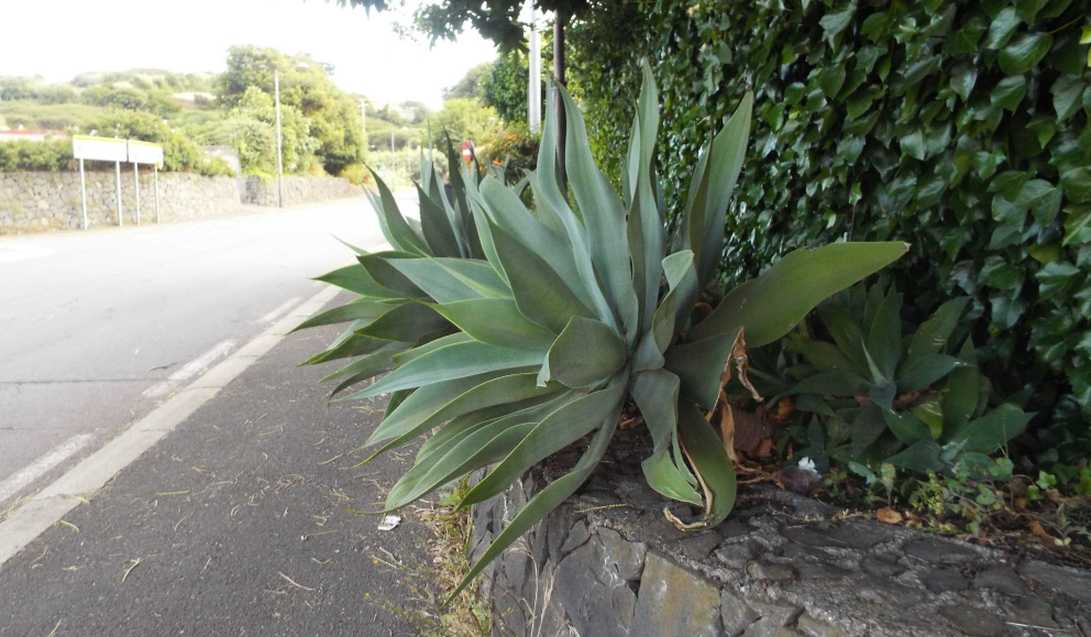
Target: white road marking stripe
x: 190, y: 369
x: 28, y: 474
x: 52, y: 503
x: 277, y: 311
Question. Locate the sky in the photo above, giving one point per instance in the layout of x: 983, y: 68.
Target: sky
x: 58, y: 39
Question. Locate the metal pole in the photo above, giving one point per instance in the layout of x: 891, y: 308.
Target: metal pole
x: 156, y: 182
x: 280, y: 142
x: 534, y: 87
x: 391, y: 140
x: 136, y: 189
x: 83, y: 194
x: 117, y: 182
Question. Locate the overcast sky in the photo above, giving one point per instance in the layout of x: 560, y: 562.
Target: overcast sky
x: 59, y: 39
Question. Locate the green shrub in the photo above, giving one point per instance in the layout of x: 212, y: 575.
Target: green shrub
x: 52, y: 155
x: 524, y: 332
x: 355, y: 174
x: 916, y: 401
x: 960, y: 127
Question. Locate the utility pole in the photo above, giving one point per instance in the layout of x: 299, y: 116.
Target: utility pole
x: 534, y: 80
x: 280, y: 141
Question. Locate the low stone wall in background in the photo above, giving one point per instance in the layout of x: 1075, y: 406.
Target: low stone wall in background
x: 36, y: 201
x: 607, y: 564
x: 39, y: 201
x: 297, y: 190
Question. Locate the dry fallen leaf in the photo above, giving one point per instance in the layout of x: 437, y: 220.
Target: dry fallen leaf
x: 888, y: 515
x: 1036, y: 529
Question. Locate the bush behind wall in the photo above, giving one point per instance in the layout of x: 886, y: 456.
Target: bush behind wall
x: 961, y: 127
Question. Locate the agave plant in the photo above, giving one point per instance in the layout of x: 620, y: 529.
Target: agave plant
x: 916, y: 401
x: 573, y: 310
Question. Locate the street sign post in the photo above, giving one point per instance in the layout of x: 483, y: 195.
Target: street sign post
x: 85, y: 147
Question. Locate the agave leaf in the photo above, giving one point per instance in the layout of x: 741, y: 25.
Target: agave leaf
x: 496, y: 321
x: 603, y: 216
x: 921, y: 456
x: 993, y: 430
x: 530, y: 410
x: 822, y: 355
x: 447, y: 280
x: 714, y: 470
x: 867, y: 427
x: 480, y: 447
x: 586, y: 353
x: 933, y: 334
x: 431, y: 346
x: 769, y: 306
x: 355, y: 278
x: 508, y: 212
x: 394, y: 226
x: 924, y: 370
x: 434, y: 404
x: 560, y: 428
x: 706, y: 210
x: 364, y: 309
x: 906, y: 427
x: 960, y: 397
x: 449, y: 362
x: 380, y: 265
x: 540, y: 293
x: 408, y: 322
x: 699, y: 364
x: 846, y: 333
x: 350, y: 343
x: 682, y: 289
x: 545, y: 501
x: 656, y: 395
x: 884, y: 340
x: 646, y: 235
x: 835, y: 382
x: 436, y: 227
x: 365, y: 367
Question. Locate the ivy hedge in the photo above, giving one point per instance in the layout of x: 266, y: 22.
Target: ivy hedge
x: 961, y: 127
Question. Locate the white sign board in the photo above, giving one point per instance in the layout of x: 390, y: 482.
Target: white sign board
x: 99, y: 148
x: 145, y: 153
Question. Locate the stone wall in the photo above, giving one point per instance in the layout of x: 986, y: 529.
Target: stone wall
x: 607, y: 563
x: 297, y: 190
x: 37, y: 201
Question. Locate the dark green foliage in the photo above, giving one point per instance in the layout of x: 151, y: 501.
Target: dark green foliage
x: 505, y: 86
x: 959, y: 127
x: 51, y: 156
x: 875, y: 392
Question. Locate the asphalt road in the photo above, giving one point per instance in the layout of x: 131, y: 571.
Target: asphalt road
x: 98, y: 327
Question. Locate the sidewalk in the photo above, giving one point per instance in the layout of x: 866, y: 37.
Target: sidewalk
x: 246, y: 520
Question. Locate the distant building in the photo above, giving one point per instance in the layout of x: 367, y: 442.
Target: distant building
x: 29, y: 135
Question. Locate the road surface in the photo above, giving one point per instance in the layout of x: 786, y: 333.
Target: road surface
x: 98, y: 327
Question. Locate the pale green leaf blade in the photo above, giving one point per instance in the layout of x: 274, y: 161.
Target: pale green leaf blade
x: 769, y: 306
x: 587, y: 352
x: 496, y: 321
x: 394, y: 226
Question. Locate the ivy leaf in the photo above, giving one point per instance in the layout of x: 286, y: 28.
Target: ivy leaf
x: 1076, y: 183
x: 1009, y: 183
x: 1002, y: 28
x: 1041, y: 198
x: 1077, y: 225
x: 831, y: 79
x: 835, y: 23
x: 1055, y: 277
x: 913, y: 145
x: 1009, y: 92
x: 875, y: 25
x: 1066, y: 96
x: 963, y: 78
x: 1001, y: 275
x: 1024, y: 53
x: 965, y: 39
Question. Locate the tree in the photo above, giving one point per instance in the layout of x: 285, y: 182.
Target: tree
x: 463, y: 119
x: 333, y: 116
x: 471, y: 84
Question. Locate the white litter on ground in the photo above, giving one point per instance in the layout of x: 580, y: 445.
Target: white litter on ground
x: 390, y: 522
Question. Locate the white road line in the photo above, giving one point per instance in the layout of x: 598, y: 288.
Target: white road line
x: 190, y: 369
x: 52, y: 503
x: 28, y: 474
x: 277, y: 311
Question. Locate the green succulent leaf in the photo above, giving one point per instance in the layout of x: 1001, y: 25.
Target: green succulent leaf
x: 394, y: 226
x: 586, y: 353
x: 769, y: 306
x: 496, y: 321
